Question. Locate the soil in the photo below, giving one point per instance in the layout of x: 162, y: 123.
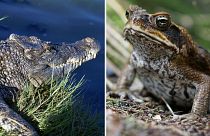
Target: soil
x: 148, y: 117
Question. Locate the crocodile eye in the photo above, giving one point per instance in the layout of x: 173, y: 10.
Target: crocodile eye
x: 49, y: 48
x: 162, y: 22
x: 127, y: 14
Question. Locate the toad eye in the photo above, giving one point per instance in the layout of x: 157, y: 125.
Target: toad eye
x: 162, y: 22
x: 127, y: 14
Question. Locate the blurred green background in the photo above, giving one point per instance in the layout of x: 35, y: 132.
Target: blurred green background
x: 192, y: 14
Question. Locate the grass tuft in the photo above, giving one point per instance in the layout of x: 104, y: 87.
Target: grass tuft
x: 56, y: 108
x: 2, y: 18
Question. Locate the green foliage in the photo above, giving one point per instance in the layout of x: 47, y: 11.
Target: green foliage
x: 2, y: 132
x: 114, y: 18
x: 57, y: 109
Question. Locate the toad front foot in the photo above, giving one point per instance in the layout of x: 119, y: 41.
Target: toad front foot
x: 186, y: 117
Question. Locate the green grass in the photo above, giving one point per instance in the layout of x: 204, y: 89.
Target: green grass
x: 112, y: 16
x: 2, y: 18
x: 56, y: 109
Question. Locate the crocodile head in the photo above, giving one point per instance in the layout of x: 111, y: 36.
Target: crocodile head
x: 40, y: 59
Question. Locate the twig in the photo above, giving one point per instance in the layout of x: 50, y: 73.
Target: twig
x: 167, y: 105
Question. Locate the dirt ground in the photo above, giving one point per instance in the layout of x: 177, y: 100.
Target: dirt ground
x: 148, y: 117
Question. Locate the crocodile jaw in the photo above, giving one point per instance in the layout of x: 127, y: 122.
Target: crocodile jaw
x: 74, y: 62
x: 40, y: 75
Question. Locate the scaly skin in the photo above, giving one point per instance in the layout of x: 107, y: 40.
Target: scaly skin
x: 167, y: 61
x: 28, y: 59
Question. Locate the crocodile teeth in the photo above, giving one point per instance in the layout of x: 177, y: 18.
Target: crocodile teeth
x: 74, y: 65
x: 94, y: 55
x: 60, y: 66
x: 75, y: 62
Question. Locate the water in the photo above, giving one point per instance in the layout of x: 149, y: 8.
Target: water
x: 62, y: 21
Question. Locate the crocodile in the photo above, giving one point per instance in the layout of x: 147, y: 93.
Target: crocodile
x: 28, y: 59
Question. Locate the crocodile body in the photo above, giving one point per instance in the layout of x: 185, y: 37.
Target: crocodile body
x: 29, y: 59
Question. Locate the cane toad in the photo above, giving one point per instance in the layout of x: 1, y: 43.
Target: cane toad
x: 166, y: 59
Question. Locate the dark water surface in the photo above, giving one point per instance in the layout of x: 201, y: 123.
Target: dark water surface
x: 62, y: 21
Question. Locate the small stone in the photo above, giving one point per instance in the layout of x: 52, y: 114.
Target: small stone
x: 150, y: 115
x: 157, y: 117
